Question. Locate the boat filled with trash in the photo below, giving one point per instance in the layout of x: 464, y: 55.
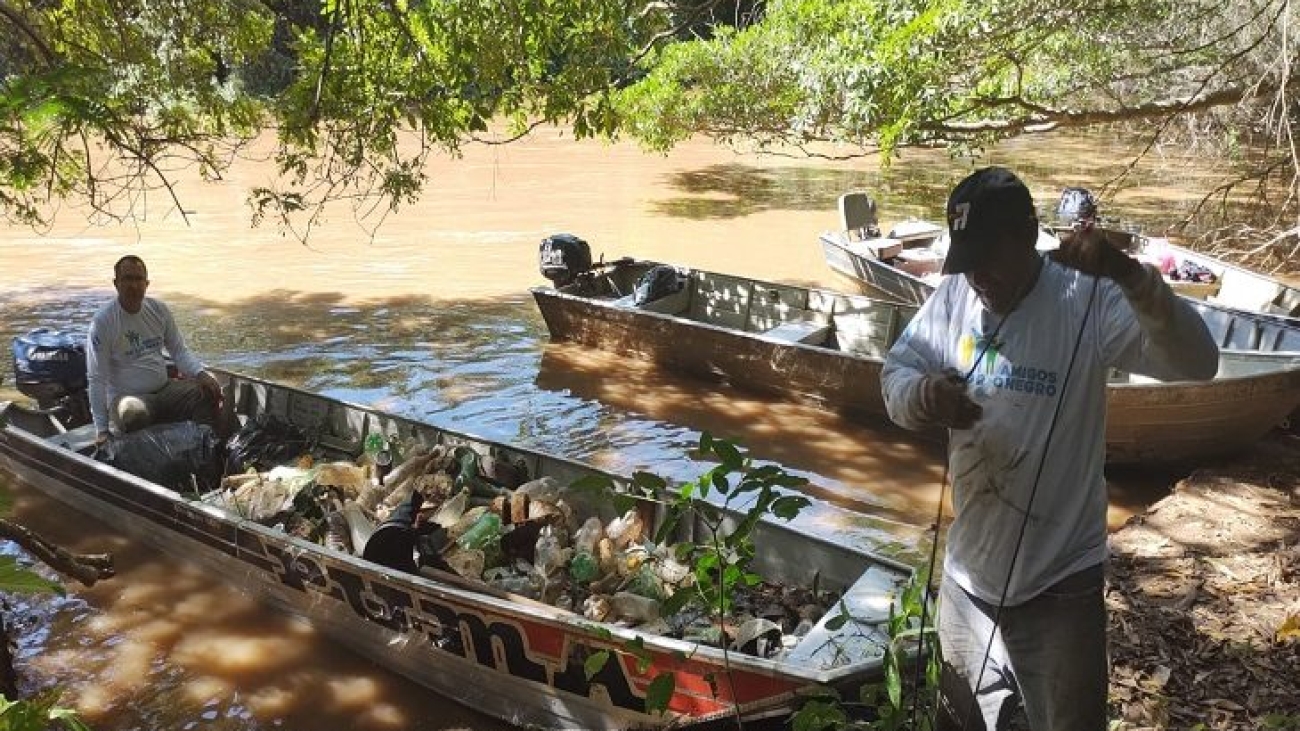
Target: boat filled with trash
x: 441, y: 510
x: 537, y: 589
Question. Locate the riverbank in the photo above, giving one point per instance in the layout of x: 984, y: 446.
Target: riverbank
x: 1204, y: 599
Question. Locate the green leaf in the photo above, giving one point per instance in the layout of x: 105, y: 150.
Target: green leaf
x: 893, y: 681
x: 818, y: 715
x: 786, y: 479
x: 623, y: 502
x: 17, y: 579
x: 660, y: 693
x: 838, y: 621
x: 594, y: 663
x: 677, y: 602
x: 592, y: 483
x: 787, y: 507
x: 706, y: 442
x: 649, y: 481
x: 727, y: 452
x: 719, y: 480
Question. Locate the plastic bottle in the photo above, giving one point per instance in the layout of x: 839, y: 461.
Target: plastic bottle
x: 485, y: 532
x: 549, y: 554
x: 584, y: 566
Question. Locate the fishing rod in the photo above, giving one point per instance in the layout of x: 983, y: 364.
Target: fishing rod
x: 1029, y: 505
x: 938, y: 521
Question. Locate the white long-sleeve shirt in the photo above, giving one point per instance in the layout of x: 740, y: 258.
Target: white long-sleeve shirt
x: 1019, y: 379
x: 124, y: 354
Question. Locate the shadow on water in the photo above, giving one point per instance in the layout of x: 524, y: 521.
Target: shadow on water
x: 736, y: 190
x: 1151, y: 194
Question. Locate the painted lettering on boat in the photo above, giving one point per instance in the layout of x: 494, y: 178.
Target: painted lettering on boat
x: 460, y: 631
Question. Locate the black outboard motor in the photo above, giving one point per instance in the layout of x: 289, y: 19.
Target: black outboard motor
x: 1076, y: 204
x: 50, y: 367
x: 563, y: 257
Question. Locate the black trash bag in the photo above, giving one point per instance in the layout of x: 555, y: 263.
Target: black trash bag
x: 658, y: 282
x: 183, y: 455
x: 263, y: 443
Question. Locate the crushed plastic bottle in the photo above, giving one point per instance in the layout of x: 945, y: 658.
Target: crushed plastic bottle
x: 485, y: 536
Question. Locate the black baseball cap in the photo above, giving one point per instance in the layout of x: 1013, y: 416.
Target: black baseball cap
x: 988, y: 202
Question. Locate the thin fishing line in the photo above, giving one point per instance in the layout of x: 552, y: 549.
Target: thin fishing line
x: 1029, y: 506
x: 938, y: 521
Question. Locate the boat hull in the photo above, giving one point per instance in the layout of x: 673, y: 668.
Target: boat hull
x: 1232, y: 328
x: 804, y: 373
x: 519, y: 661
x: 1148, y: 421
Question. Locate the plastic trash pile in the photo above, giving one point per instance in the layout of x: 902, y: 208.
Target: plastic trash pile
x: 447, y: 509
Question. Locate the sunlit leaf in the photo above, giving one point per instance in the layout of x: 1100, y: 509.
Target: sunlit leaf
x: 818, y: 715
x: 893, y: 681
x: 1290, y: 628
x: 594, y: 663
x: 837, y: 622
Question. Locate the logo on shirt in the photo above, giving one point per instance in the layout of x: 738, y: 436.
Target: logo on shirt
x: 977, y: 345
x: 138, y: 345
x: 996, y: 373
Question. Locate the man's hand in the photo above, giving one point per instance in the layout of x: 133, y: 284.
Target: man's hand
x: 101, y: 437
x: 945, y: 402
x: 1087, y: 250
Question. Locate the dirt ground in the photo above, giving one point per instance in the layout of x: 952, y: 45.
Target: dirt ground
x: 1204, y: 600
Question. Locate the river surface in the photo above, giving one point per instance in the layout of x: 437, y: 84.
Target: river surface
x: 428, y: 315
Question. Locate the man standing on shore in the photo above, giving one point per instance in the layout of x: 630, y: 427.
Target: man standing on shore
x: 1012, y: 358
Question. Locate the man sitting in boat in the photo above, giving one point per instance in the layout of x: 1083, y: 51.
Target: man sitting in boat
x: 1012, y: 357
x: 127, y: 370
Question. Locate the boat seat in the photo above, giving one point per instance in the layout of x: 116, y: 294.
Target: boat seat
x: 81, y: 439
x: 800, y: 331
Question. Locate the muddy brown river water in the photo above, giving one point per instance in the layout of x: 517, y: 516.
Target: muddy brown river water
x: 429, y: 316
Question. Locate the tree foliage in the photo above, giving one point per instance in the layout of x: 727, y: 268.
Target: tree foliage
x: 884, y: 74
x: 102, y: 100
x: 905, y: 72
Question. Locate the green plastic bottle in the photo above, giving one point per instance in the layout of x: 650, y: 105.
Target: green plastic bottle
x: 583, y: 567
x: 484, y: 535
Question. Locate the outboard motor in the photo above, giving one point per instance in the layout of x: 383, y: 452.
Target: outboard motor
x: 50, y: 367
x: 563, y: 257
x: 1076, y: 204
